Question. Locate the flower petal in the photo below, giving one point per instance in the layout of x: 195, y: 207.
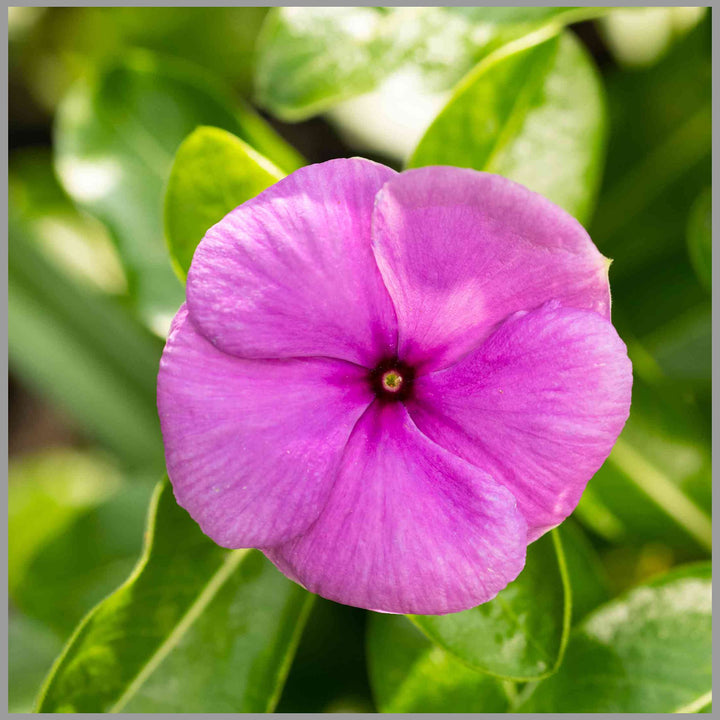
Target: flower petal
x: 408, y: 528
x: 460, y: 250
x: 253, y: 446
x: 292, y: 273
x: 538, y: 406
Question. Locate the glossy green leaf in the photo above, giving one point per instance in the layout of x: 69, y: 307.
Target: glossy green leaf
x: 655, y: 486
x: 521, y: 634
x: 411, y: 675
x: 213, y: 173
x: 310, y: 59
x: 648, y: 651
x: 699, y: 235
x: 532, y: 112
x: 84, y: 351
x: 195, y: 628
x: 116, y: 136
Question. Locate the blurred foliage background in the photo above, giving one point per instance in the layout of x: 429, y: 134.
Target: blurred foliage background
x: 92, y: 290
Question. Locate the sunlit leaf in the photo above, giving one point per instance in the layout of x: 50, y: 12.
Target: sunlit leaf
x: 116, y: 137
x: 534, y: 113
x: 648, y: 651
x: 310, y: 59
x: 77, y: 243
x: 521, y: 634
x: 195, y: 628
x: 213, y: 173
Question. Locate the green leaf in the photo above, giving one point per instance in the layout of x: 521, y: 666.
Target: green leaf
x: 411, y: 675
x: 649, y: 651
x: 78, y: 244
x: 84, y: 351
x: 590, y: 587
x: 212, y: 174
x: 78, y: 567
x: 32, y: 647
x: 532, y: 112
x: 329, y: 672
x: 656, y: 483
x: 220, y: 39
x: 699, y: 236
x: 195, y: 628
x: 658, y: 163
x: 116, y: 136
x: 521, y: 634
x: 310, y: 59
x: 46, y: 492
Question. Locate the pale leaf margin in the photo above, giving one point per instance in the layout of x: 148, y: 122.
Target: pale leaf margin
x: 566, y: 623
x: 212, y: 587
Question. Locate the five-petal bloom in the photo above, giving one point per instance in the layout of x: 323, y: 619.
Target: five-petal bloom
x: 391, y: 383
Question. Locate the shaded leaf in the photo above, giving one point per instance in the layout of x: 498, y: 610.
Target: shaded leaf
x: 71, y: 39
x: 45, y: 493
x: 648, y: 651
x: 521, y: 634
x: 82, y: 563
x: 328, y: 673
x: 74, y: 531
x: 589, y: 584
x: 409, y: 674
x: 534, y: 113
x: 212, y: 174
x: 116, y: 137
x: 195, y: 628
x: 656, y: 483
x: 699, y: 236
x: 658, y: 163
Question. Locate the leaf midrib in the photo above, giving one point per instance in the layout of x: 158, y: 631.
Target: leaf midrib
x: 204, y: 598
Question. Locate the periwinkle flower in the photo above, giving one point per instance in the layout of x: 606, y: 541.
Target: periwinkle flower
x: 392, y: 383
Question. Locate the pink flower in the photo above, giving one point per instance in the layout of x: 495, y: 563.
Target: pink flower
x: 391, y: 383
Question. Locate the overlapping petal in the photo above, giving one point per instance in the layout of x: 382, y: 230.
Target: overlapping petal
x: 408, y: 527
x: 252, y: 447
x: 460, y: 250
x: 291, y: 272
x: 538, y: 407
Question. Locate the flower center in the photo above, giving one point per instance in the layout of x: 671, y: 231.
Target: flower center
x: 392, y: 380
